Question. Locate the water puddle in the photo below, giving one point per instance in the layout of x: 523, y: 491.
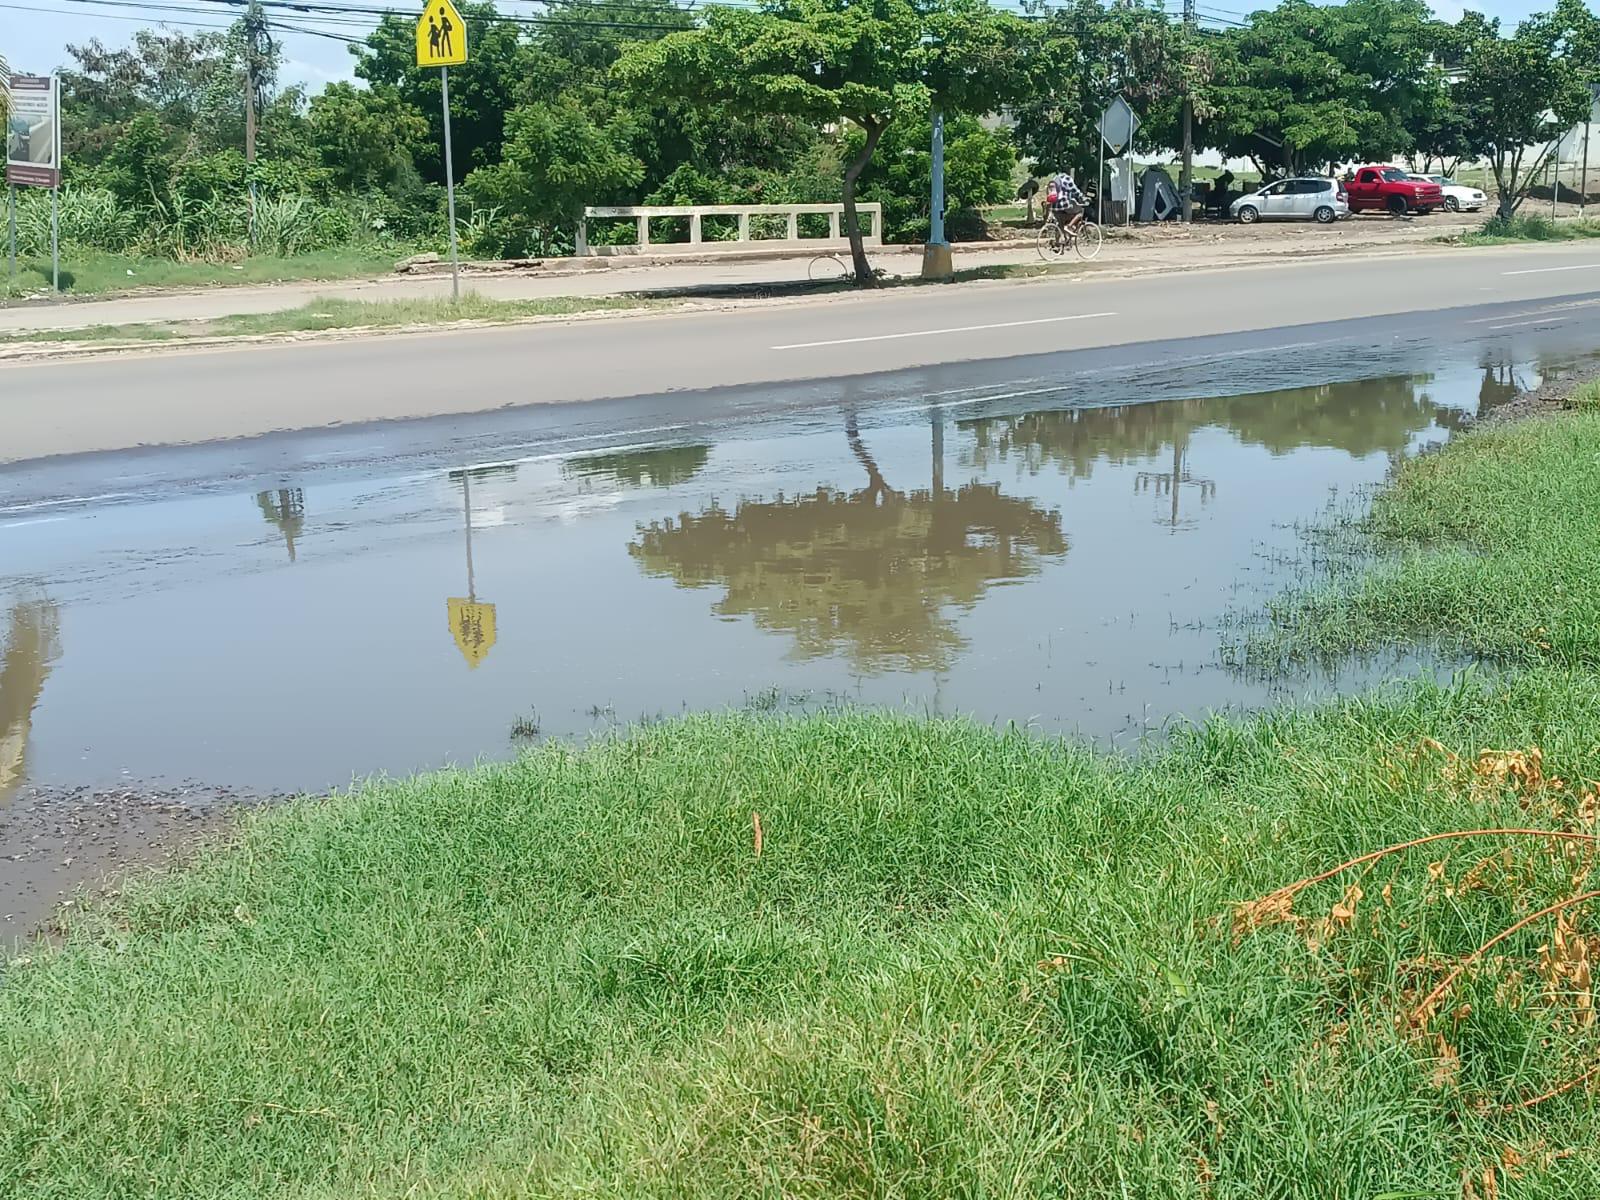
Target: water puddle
x: 1013, y: 557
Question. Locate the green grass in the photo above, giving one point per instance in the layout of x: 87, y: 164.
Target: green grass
x: 965, y: 963
x: 1529, y: 227
x: 94, y: 273
x: 955, y: 961
x: 1585, y: 396
x: 333, y: 314
x: 1489, y: 549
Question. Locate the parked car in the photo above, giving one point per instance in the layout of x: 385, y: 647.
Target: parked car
x: 1310, y: 199
x: 1390, y: 189
x: 1458, y: 197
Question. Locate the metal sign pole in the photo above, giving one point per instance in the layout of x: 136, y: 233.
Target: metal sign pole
x: 1583, y: 185
x: 450, y: 187
x: 1100, y: 185
x: 11, y: 258
x: 55, y: 243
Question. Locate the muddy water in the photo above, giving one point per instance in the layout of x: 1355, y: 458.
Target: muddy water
x: 1011, y: 557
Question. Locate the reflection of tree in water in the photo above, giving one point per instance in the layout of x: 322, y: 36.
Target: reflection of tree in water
x: 868, y: 571
x: 285, y: 508
x: 664, y: 466
x: 1360, y: 417
x: 31, y: 646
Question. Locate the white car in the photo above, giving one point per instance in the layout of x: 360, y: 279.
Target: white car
x: 1457, y: 197
x: 1307, y: 199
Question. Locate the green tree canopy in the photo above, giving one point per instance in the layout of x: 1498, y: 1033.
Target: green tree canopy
x: 1306, y: 85
x: 1521, y: 93
x: 829, y: 62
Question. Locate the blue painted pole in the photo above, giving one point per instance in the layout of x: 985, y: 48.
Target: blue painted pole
x: 936, y: 201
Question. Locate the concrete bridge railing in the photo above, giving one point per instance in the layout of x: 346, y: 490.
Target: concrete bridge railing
x: 870, y: 215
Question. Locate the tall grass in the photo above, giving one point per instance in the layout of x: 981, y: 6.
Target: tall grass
x: 953, y: 962
x: 218, y: 229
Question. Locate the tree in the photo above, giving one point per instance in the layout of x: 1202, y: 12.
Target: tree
x: 979, y: 165
x: 482, y: 91
x: 192, y: 85
x: 868, y: 63
x: 1306, y: 85
x: 138, y: 170
x: 556, y: 160
x: 1520, y: 95
x: 1085, y: 55
x: 367, y: 140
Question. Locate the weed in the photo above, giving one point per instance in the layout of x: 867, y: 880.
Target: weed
x: 1529, y: 227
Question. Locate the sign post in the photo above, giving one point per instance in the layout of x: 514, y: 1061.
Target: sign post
x: 33, y: 152
x: 442, y: 43
x: 1117, y: 124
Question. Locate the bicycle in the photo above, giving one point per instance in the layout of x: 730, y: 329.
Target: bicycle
x: 829, y: 268
x: 1082, y: 235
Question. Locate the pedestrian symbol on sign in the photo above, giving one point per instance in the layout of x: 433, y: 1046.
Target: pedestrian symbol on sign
x: 441, y: 36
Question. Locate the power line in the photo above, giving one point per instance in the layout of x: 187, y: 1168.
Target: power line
x: 118, y: 17
x: 365, y: 16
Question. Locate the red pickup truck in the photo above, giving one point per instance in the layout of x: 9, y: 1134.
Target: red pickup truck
x: 1390, y: 189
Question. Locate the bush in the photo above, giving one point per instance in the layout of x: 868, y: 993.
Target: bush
x: 1523, y: 226
x: 89, y: 217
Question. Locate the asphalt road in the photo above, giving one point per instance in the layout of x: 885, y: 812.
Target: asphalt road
x: 1151, y: 247
x: 184, y: 397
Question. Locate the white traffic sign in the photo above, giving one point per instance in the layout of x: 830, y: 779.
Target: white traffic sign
x: 1118, y: 125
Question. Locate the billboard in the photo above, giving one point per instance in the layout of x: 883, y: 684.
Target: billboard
x: 33, y: 132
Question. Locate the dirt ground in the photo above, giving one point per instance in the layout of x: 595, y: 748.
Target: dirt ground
x: 56, y: 844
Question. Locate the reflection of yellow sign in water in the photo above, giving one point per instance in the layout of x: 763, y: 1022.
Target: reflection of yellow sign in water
x: 472, y: 624
x: 441, y: 36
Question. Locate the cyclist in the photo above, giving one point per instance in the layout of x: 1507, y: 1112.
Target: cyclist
x: 1065, y: 200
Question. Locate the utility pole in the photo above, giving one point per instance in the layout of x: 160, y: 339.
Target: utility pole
x: 256, y: 48
x: 1186, y: 179
x: 936, y: 262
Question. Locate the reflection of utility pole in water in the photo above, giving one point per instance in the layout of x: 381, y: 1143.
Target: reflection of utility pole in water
x: 472, y: 623
x: 29, y: 648
x: 285, y: 508
x: 1170, y: 483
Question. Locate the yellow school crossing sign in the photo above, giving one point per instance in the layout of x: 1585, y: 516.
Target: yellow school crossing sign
x: 441, y: 36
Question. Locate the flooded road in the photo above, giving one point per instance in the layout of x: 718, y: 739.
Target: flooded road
x: 1027, y: 550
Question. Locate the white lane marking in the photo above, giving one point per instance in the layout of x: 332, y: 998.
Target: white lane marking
x: 1519, y: 324
x: 1533, y: 312
x: 20, y: 508
x: 1547, y: 270
x: 889, y: 337
x: 917, y: 408
x: 34, y: 521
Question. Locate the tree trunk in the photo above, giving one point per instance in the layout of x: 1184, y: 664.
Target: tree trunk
x: 858, y: 252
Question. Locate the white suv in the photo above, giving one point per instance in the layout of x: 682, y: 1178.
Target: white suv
x: 1307, y: 199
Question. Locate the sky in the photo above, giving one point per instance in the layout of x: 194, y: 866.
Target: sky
x: 34, y: 33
